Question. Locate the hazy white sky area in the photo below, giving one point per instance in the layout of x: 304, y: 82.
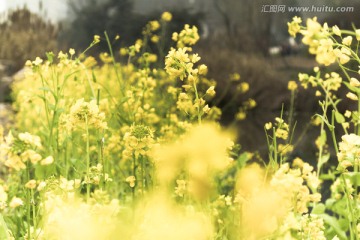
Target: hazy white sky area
x: 53, y: 10
x: 2, y: 5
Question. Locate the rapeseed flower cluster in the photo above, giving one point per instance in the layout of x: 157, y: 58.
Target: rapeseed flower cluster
x: 286, y: 190
x: 312, y: 227
x: 333, y: 45
x: 138, y: 140
x: 187, y: 37
x: 322, y: 41
x: 84, y: 113
x: 15, y: 152
x: 179, y: 64
x: 199, y: 158
x: 349, y: 151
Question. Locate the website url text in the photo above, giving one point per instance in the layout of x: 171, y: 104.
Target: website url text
x: 313, y: 8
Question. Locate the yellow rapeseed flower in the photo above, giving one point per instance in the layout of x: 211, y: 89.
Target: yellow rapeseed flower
x: 166, y: 16
x: 96, y: 39
x: 250, y: 103
x: 155, y: 38
x: 244, y: 87
x: 16, y: 202
x: 154, y: 25
x: 357, y: 33
x: 235, y: 77
x: 347, y: 113
x: 354, y: 82
x: 336, y: 30
x: 206, y: 109
x: 347, y: 40
x: 203, y: 69
x: 294, y: 26
x: 292, y: 85
x: 123, y: 51
x: 352, y: 96
x: 47, y: 161
x: 131, y: 180
x: 211, y: 91
x: 37, y: 61
x: 72, y: 51
x: 241, y: 115
x: 30, y: 139
x: 268, y: 126
x: 31, y: 184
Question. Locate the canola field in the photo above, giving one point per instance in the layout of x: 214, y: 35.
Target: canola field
x: 103, y: 149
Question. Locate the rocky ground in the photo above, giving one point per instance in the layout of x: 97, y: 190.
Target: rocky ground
x: 6, y: 114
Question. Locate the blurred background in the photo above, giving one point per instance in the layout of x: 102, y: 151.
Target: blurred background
x: 243, y: 37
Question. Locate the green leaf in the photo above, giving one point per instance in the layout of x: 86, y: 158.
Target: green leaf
x: 319, y: 209
x: 4, y: 231
x: 243, y: 159
x: 330, y: 202
x: 328, y: 176
x: 94, y: 77
x: 331, y: 127
x: 354, y: 177
x: 333, y: 222
x: 351, y: 88
x: 124, y: 99
x: 324, y: 159
x: 339, y: 117
x: 322, y: 139
x: 45, y: 89
x: 51, y: 106
x: 50, y: 56
x: 337, y: 101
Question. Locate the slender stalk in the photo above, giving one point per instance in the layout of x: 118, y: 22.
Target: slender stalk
x: 275, y: 155
x: 352, y: 223
x: 333, y: 131
x: 87, y: 158
x: 322, y: 132
x: 33, y: 208
x: 118, y: 76
x: 44, y: 99
x: 134, y: 174
x: 28, y: 201
x: 292, y: 106
x: 66, y: 161
x: 142, y: 175
x: 198, y: 101
x: 358, y: 125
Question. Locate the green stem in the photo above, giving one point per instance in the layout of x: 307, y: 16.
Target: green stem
x: 118, y: 76
x: 358, y: 125
x: 33, y: 208
x: 352, y: 223
x: 142, y: 175
x: 66, y: 161
x: 274, y: 162
x: 134, y: 174
x: 322, y: 132
x: 87, y: 159
x: 45, y: 99
x: 28, y: 201
x: 198, y: 105
x: 292, y: 106
x: 332, y: 131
